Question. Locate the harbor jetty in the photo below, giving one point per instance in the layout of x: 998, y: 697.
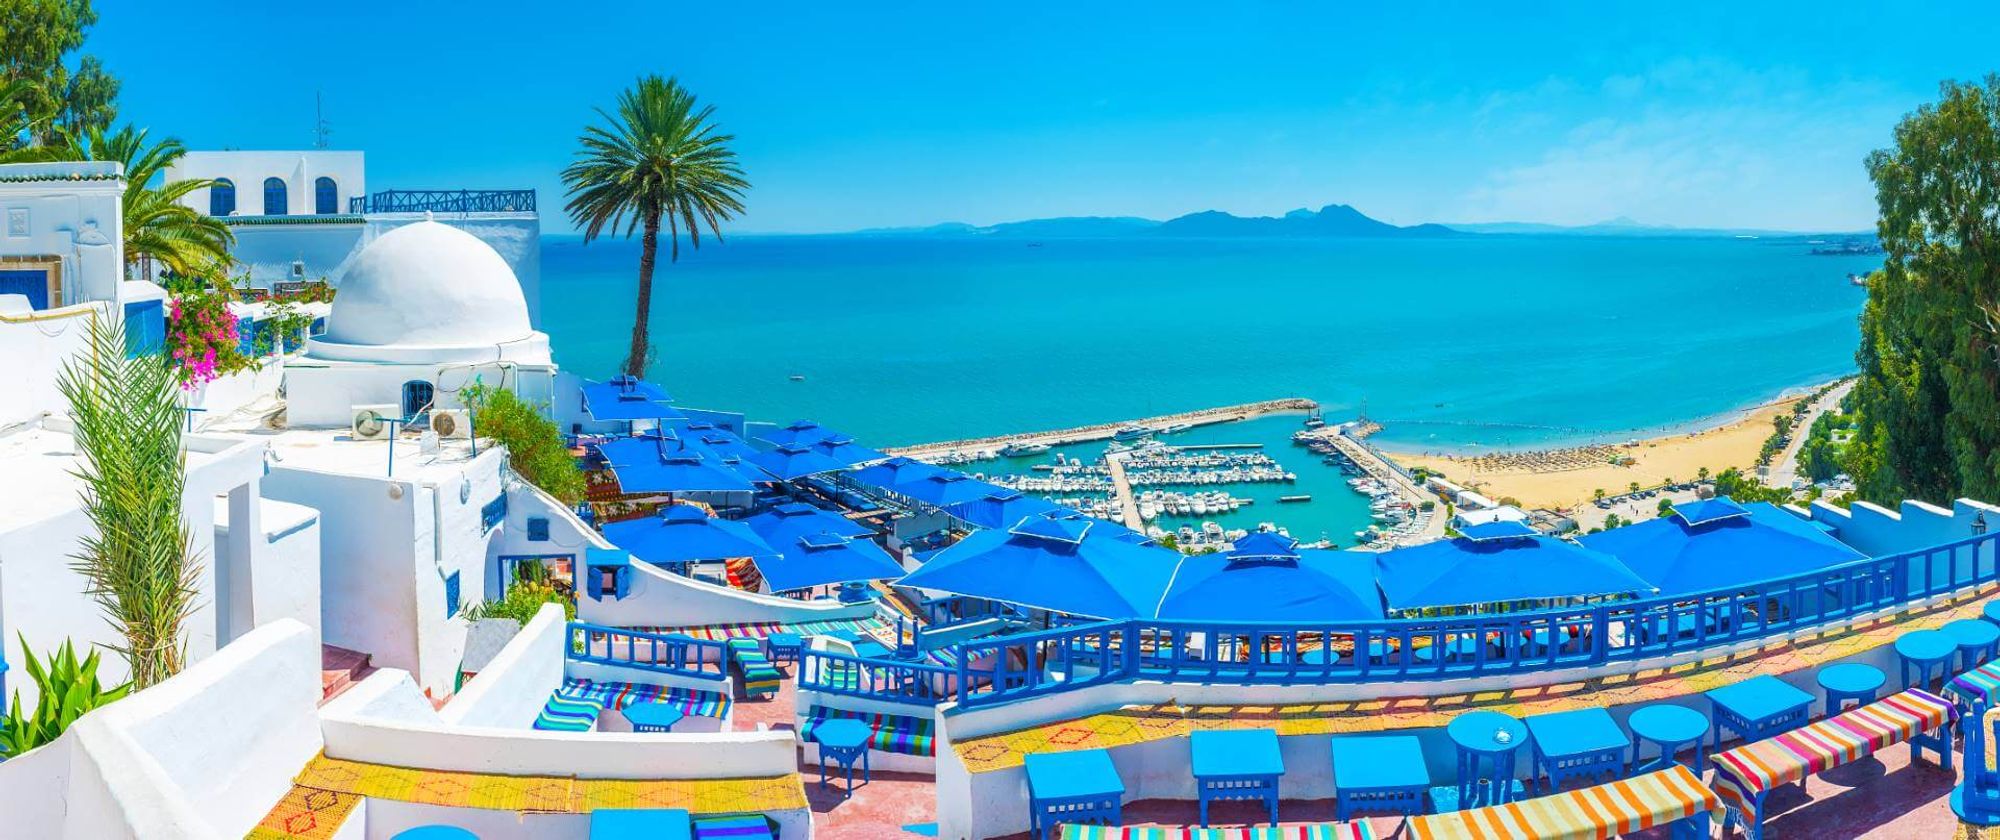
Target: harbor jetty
x: 982, y: 447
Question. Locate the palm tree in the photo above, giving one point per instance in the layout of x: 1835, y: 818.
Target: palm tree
x: 18, y: 124
x: 157, y: 225
x: 656, y: 157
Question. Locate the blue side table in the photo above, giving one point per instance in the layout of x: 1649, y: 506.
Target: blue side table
x: 1379, y: 773
x: 1978, y: 641
x: 1924, y: 652
x: 435, y: 832
x: 1483, y: 737
x: 653, y: 717
x: 1236, y: 764
x: 843, y: 741
x: 1585, y: 743
x: 1672, y: 728
x: 1850, y: 681
x: 639, y: 824
x: 1075, y: 787
x: 1758, y: 708
x: 785, y: 647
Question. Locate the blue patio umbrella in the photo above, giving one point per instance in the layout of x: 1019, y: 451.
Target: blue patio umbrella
x: 894, y: 472
x: 1052, y: 564
x: 791, y: 461
x: 1718, y: 543
x: 663, y: 463
x: 821, y: 558
x: 1267, y: 578
x: 842, y: 448
x: 800, y: 432
x: 685, y: 534
x: 1497, y: 565
x: 720, y: 441
x: 946, y: 488
x: 626, y: 398
x: 1001, y: 509
x: 784, y: 523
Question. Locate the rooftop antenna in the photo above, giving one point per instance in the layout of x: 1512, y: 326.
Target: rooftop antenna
x: 320, y: 126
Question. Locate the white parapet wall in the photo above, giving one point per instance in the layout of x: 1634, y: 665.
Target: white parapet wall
x: 1913, y: 525
x: 511, y: 690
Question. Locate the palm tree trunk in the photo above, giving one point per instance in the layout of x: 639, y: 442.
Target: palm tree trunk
x: 649, y: 248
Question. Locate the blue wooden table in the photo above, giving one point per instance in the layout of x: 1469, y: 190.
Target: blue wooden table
x: 1236, y: 764
x: 1758, y: 708
x: 1583, y: 743
x: 785, y: 647
x: 1924, y: 652
x: 1977, y: 640
x: 1379, y: 773
x: 1849, y: 681
x: 843, y: 740
x: 1486, y: 737
x: 1077, y: 787
x: 1671, y: 727
x: 639, y: 824
x: 653, y: 717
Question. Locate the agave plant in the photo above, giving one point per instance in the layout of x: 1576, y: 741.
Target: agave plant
x: 139, y: 564
x: 66, y: 688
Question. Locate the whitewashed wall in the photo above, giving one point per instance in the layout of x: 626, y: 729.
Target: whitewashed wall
x: 285, y: 576
x: 75, y: 216
x: 321, y: 394
x: 511, y: 691
x: 298, y: 169
x: 659, y: 598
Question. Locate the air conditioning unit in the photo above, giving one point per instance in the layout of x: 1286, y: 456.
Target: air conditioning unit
x: 451, y: 422
x: 371, y: 422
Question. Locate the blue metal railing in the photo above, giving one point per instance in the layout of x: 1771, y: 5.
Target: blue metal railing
x: 444, y: 201
x: 876, y: 679
x: 1005, y: 668
x: 683, y: 656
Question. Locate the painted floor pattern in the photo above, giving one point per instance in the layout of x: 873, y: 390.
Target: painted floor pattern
x: 305, y: 814
x: 1139, y: 724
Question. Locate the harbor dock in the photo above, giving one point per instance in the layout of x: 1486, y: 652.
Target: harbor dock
x: 1121, y: 489
x: 1105, y: 431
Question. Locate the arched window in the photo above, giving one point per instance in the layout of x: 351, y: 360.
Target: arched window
x: 274, y: 197
x: 417, y: 396
x: 222, y: 197
x: 325, y: 197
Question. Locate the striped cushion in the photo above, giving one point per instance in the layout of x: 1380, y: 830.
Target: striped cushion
x: 760, y: 677
x: 1322, y: 831
x: 1980, y: 685
x: 1614, y: 808
x: 744, y: 827
x: 1751, y: 769
x: 576, y: 706
x: 893, y: 733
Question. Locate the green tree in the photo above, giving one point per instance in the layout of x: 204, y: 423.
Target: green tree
x: 138, y: 564
x: 535, y: 447
x: 158, y: 227
x: 35, y: 38
x: 1928, y: 399
x: 658, y: 157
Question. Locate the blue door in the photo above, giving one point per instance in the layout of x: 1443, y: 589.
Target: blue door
x: 33, y: 282
x: 416, y: 397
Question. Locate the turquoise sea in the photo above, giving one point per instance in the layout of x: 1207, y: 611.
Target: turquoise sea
x: 1464, y: 343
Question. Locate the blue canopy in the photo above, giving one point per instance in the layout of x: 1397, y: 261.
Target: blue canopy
x: 784, y: 523
x: 1051, y: 564
x: 664, y: 463
x: 1266, y: 578
x: 1463, y: 572
x: 800, y: 432
x: 946, y: 488
x: 792, y: 461
x: 718, y: 440
x: 891, y: 474
x: 820, y: 558
x: 1001, y: 508
x: 1706, y: 546
x: 626, y: 398
x: 1497, y: 530
x: 685, y: 534
x: 842, y: 448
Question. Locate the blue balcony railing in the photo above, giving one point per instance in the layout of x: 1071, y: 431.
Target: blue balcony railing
x: 661, y: 653
x: 444, y: 201
x: 895, y: 681
x: 1005, y: 668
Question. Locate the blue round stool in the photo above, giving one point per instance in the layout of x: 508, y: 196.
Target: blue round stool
x: 435, y: 832
x: 1850, y: 681
x: 1978, y: 641
x: 1923, y: 651
x: 1671, y: 727
x: 1486, y: 736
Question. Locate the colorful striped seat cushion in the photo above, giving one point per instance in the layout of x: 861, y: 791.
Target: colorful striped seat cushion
x: 760, y: 677
x: 1322, y: 831
x: 741, y: 827
x: 1743, y: 773
x: 761, y: 629
x: 1979, y: 685
x: 893, y: 733
x: 1607, y: 810
x: 576, y: 706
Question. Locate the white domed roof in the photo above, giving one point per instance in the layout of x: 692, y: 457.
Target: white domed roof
x: 427, y: 285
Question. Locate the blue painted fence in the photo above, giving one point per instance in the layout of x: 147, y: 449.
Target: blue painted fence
x: 895, y: 681
x: 661, y: 653
x: 1066, y: 658
x: 444, y: 201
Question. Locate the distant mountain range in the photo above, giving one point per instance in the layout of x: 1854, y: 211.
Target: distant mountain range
x: 1333, y: 221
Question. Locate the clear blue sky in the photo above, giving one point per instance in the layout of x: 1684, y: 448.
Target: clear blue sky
x: 856, y: 115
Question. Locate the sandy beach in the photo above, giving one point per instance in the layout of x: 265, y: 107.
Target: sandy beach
x: 1569, y: 477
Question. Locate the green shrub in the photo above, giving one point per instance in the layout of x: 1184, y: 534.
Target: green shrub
x: 522, y: 602
x: 534, y: 445
x: 68, y: 689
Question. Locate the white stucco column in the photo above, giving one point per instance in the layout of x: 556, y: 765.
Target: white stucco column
x: 235, y: 565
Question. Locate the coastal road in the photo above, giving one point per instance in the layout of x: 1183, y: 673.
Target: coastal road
x: 1785, y: 468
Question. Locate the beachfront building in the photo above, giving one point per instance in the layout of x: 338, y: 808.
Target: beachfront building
x: 305, y: 216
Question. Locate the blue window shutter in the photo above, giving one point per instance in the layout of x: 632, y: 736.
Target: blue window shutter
x: 276, y: 202
x: 494, y: 513
x: 145, y: 328
x: 451, y: 595
x: 222, y: 197
x: 32, y: 282
x: 246, y: 337
x: 538, y: 529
